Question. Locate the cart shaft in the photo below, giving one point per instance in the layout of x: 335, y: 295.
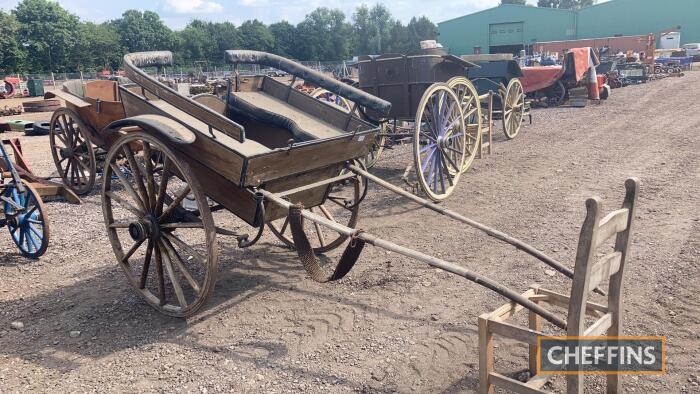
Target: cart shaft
x: 430, y: 260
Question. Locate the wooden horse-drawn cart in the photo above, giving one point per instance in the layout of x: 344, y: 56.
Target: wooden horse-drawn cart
x: 266, y: 153
x: 435, y: 106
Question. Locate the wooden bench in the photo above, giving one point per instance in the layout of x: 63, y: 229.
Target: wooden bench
x: 589, y: 273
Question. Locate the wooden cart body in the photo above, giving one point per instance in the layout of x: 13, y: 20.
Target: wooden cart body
x: 494, y: 76
x: 267, y: 135
x: 402, y: 79
x: 97, y: 103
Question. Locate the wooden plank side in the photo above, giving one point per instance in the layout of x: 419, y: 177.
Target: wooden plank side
x: 306, y: 157
x: 204, y: 149
x: 186, y: 105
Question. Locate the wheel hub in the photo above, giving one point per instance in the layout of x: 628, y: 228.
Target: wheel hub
x: 143, y: 228
x: 66, y: 153
x: 12, y: 221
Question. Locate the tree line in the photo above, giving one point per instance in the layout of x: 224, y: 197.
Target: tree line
x: 41, y: 36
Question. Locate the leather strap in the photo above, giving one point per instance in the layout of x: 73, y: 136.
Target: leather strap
x: 308, y: 257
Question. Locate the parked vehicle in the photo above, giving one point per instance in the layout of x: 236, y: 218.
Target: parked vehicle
x: 693, y: 50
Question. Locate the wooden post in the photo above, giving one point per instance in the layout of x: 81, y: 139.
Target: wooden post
x: 485, y: 355
x: 535, y: 324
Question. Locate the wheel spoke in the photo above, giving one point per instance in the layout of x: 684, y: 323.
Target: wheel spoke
x: 186, y: 248
x: 128, y: 186
x: 146, y: 264
x: 161, y: 277
x: 182, y: 225
x: 132, y: 250
x: 178, y: 199
x: 151, y: 183
x: 125, y: 204
x: 136, y: 170
x: 173, y: 279
x: 162, y: 189
x: 326, y: 213
x: 175, y: 257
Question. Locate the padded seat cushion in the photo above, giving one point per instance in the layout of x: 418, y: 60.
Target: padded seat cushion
x: 267, y: 109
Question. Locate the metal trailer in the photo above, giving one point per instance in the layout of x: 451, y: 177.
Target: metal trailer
x: 192, y: 160
x: 23, y: 211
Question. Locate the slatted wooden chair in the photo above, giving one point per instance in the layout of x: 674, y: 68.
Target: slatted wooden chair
x: 589, y: 273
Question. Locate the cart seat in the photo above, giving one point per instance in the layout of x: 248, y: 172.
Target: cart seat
x: 267, y: 109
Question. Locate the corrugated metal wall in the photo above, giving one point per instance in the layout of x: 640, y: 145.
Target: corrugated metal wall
x: 624, y: 17
x: 630, y: 17
x: 462, y: 34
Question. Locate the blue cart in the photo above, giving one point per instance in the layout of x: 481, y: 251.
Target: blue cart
x: 23, y: 211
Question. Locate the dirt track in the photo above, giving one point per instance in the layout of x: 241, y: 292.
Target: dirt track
x: 393, y: 324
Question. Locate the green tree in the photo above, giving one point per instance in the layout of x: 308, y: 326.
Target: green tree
x: 323, y: 35
x: 519, y: 2
x: 47, y: 31
x: 98, y: 47
x: 143, y: 31
x: 255, y: 35
x: 399, y: 38
x: 421, y: 29
x: 197, y: 42
x: 372, y: 29
x: 12, y: 55
x: 284, y: 35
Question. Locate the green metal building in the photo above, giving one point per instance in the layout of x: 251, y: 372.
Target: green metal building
x: 510, y: 28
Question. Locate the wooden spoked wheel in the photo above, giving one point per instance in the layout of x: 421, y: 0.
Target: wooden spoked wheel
x: 377, y: 147
x: 341, y: 206
x: 471, y: 108
x: 26, y: 219
x: 513, y: 108
x: 166, y: 247
x: 72, y: 151
x: 439, y: 141
x: 332, y: 99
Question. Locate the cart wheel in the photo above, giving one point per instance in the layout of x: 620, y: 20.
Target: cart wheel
x: 556, y: 94
x: 332, y: 99
x: 439, y: 141
x: 27, y: 220
x: 513, y: 108
x: 167, y: 249
x: 72, y: 151
x: 471, y: 108
x: 378, y: 147
x: 341, y: 206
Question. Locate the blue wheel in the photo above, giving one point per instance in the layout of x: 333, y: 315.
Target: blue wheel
x: 27, y: 220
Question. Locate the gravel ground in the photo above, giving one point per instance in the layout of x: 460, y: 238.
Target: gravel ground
x: 393, y: 325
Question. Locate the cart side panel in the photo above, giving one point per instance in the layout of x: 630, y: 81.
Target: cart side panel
x: 204, y: 149
x: 240, y: 201
x: 306, y: 157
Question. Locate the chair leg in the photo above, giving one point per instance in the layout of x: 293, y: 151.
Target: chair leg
x: 574, y: 384
x: 535, y: 323
x: 485, y: 356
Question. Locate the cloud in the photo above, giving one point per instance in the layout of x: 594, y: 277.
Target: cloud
x: 195, y: 6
